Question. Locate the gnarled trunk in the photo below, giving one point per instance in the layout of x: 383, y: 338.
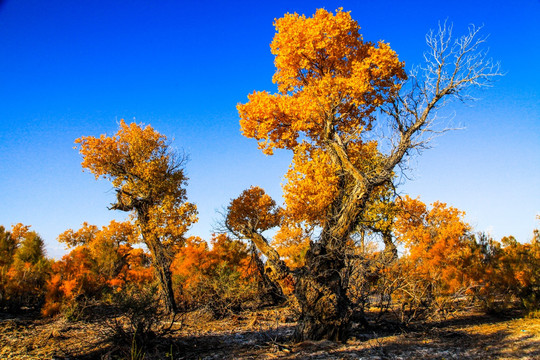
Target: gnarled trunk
x: 270, y: 292
x: 321, y: 289
x: 390, y: 252
x: 162, y: 264
x: 321, y: 294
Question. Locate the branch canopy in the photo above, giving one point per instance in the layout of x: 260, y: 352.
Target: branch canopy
x: 148, y: 177
x: 330, y: 82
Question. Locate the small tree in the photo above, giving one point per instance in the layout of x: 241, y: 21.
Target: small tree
x: 252, y: 213
x: 436, y: 268
x: 331, y: 85
x: 24, y: 275
x: 8, y: 245
x: 218, y: 277
x: 150, y: 183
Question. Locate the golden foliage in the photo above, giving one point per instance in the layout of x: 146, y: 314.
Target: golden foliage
x: 292, y: 242
x: 311, y: 185
x: 101, y: 260
x: 219, y: 275
x: 150, y: 183
x: 149, y: 179
x: 436, y: 241
x: 253, y: 210
x: 329, y: 80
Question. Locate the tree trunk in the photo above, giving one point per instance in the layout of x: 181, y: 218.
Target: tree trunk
x: 269, y: 291
x: 390, y: 252
x: 162, y: 264
x: 322, y: 298
x: 322, y: 290
x: 165, y: 279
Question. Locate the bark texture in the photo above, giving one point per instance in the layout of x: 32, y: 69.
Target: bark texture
x: 162, y: 266
x: 271, y: 293
x: 322, y: 297
x: 321, y: 289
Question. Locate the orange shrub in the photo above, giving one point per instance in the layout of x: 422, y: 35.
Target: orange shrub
x: 218, y: 276
x: 103, y: 260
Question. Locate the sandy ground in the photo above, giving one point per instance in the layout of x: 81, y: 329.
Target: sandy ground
x: 266, y: 334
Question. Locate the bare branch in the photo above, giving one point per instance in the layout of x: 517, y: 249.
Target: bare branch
x: 452, y: 69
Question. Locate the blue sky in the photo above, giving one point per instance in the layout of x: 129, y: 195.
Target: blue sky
x: 71, y: 69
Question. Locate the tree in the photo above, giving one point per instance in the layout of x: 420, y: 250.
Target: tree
x: 331, y: 85
x: 247, y: 216
x: 218, y: 277
x: 150, y: 183
x: 436, y: 268
x: 24, y: 275
x: 102, y: 261
x: 8, y: 245
x: 110, y: 246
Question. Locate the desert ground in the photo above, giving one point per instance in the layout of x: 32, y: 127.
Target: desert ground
x: 267, y: 334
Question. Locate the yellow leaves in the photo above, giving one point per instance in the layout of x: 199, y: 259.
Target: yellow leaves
x: 292, y: 243
x: 19, y: 232
x: 170, y: 221
x: 436, y: 240
x: 135, y: 158
x: 434, y: 231
x: 91, y: 236
x: 312, y: 179
x: 306, y: 47
x: 82, y: 236
x: 311, y: 185
x: 328, y: 80
x: 200, y: 266
x: 149, y: 180
x: 253, y: 210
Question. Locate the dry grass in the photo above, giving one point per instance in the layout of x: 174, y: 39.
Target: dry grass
x: 265, y: 334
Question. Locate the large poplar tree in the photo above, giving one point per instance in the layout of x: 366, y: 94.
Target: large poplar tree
x: 334, y: 91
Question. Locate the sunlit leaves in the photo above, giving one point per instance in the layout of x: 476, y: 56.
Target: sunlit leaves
x: 329, y: 79
x: 213, y: 276
x: 150, y: 183
x: 252, y: 211
x: 23, y: 267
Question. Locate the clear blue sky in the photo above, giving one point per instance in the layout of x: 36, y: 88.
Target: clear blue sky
x: 75, y: 68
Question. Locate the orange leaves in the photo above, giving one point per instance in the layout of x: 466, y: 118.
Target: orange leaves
x: 204, y: 271
x: 253, y: 210
x: 436, y: 230
x: 149, y: 179
x: 82, y: 236
x: 302, y: 45
x: 103, y: 259
x: 329, y: 79
x: 311, y: 185
x: 137, y: 160
x: 292, y: 243
x: 19, y: 232
x: 330, y: 84
x: 133, y: 151
x: 437, y: 244
x: 170, y: 221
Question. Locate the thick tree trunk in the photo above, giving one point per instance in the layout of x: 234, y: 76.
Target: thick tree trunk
x: 165, y: 279
x: 319, y: 286
x: 322, y: 297
x: 321, y: 290
x: 390, y: 252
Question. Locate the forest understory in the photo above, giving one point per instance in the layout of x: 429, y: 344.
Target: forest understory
x: 267, y: 334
